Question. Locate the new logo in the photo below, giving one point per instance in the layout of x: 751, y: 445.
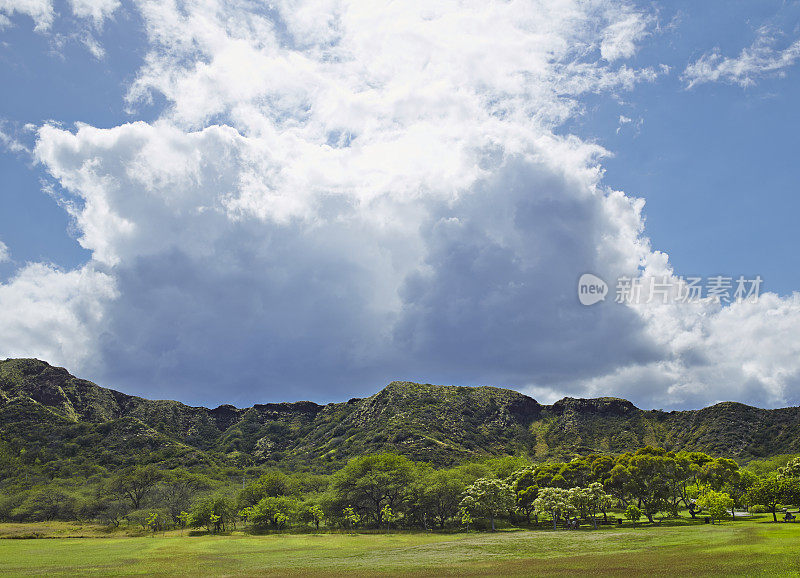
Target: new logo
x: 591, y: 289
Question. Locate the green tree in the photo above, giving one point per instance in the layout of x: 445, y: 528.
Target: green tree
x: 523, y: 482
x: 368, y: 483
x: 716, y: 504
x: 275, y: 511
x: 270, y: 485
x: 595, y: 500
x: 134, y: 483
x: 214, y: 512
x: 790, y: 470
x: 633, y: 514
x: 152, y: 521
x: 111, y: 511
x: 183, y: 519
x: 555, y: 502
x: 351, y: 518
x: 388, y: 516
x: 45, y: 504
x: 488, y: 498
x: 177, y: 489
x: 601, y: 468
x: 311, y: 513
x: 718, y: 472
x: 770, y: 492
x: 647, y: 475
x: 738, y: 486
x: 439, y: 493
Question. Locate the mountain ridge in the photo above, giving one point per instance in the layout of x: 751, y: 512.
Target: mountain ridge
x: 439, y: 424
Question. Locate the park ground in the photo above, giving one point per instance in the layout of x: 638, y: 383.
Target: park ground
x: 753, y: 547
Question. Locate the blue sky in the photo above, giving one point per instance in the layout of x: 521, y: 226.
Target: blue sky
x: 200, y: 238
x: 716, y: 164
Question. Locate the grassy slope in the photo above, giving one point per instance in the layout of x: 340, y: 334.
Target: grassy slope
x: 743, y: 548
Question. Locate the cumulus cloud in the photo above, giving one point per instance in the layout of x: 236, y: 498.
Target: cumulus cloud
x: 54, y: 314
x: 762, y: 59
x: 338, y: 194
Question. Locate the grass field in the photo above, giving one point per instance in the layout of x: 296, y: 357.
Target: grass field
x: 741, y: 548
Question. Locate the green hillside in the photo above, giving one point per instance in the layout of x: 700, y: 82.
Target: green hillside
x: 47, y: 413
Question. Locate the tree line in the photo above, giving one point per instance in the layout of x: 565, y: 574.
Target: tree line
x: 385, y: 491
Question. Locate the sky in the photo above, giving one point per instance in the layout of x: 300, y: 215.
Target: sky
x: 237, y: 202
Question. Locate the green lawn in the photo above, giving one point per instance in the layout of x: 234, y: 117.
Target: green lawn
x: 741, y: 548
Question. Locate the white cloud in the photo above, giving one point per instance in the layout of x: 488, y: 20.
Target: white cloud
x: 96, y: 10
x: 760, y: 60
x: 10, y: 143
x: 4, y: 254
x: 54, y: 315
x: 41, y: 11
x: 745, y: 351
x: 622, y: 37
x: 93, y: 46
x: 338, y: 194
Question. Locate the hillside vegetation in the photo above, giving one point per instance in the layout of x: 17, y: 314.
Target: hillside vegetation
x: 48, y: 414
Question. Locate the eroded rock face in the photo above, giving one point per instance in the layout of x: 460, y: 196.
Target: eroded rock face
x: 599, y: 405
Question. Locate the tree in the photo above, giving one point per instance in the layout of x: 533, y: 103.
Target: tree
x: 716, y: 504
x: 647, y: 475
x: 388, y: 516
x: 523, y: 482
x: 548, y: 475
x: 718, y: 472
x: 769, y: 492
x: 683, y: 474
x: 154, y: 522
x: 311, y: 513
x: 177, y: 489
x: 595, y: 500
x: 633, y: 514
x: 576, y: 473
x: 111, y: 511
x: 368, y: 483
x: 466, y: 519
x: 738, y: 486
x: 269, y: 485
x: 213, y: 512
x: 438, y: 493
x: 790, y: 470
x: 601, y: 468
x: 183, y: 519
x: 48, y: 503
x: 555, y: 502
x: 579, y: 498
x: 134, y: 483
x: 488, y: 498
x: 351, y: 519
x: 273, y: 511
